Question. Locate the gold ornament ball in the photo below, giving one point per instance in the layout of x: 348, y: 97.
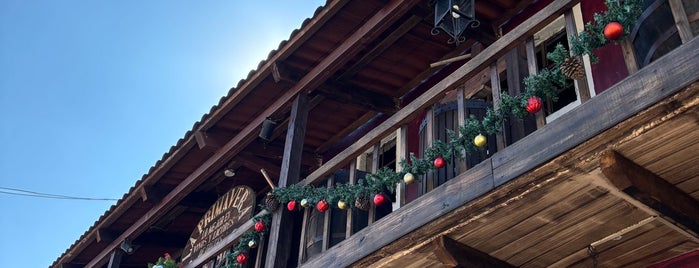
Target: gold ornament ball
x: 304, y: 202
x: 341, y: 205
x: 252, y: 244
x: 408, y: 178
x: 480, y: 140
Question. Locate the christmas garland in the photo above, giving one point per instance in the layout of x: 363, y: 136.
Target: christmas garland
x: 238, y: 255
x: 617, y: 20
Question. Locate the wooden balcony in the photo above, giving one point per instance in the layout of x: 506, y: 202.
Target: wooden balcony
x: 543, y: 199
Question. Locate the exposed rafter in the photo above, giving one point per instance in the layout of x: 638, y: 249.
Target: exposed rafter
x: 650, y: 189
x: 360, y: 98
x: 452, y: 253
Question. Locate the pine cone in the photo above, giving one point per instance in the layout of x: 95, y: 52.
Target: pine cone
x: 362, y: 203
x: 271, y: 202
x: 573, y: 67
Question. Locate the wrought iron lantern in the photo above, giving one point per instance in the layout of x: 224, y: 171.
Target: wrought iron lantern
x: 453, y: 17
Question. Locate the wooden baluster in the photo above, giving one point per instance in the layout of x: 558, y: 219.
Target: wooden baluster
x: 533, y: 70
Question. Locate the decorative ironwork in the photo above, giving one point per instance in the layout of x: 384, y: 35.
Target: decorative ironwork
x: 453, y: 17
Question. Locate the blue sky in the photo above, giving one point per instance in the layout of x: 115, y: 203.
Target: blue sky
x: 92, y: 93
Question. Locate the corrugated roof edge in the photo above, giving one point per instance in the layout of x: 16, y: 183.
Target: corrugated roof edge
x: 187, y: 137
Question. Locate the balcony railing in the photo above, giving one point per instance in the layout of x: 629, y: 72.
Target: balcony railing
x: 528, y: 41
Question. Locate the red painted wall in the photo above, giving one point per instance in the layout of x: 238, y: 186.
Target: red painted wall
x: 611, y: 67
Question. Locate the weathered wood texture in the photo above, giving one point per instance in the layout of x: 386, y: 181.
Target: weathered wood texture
x: 627, y: 98
x: 449, y: 196
x: 648, y: 86
x: 650, y: 189
x: 478, y: 63
x: 452, y: 253
x: 280, y: 234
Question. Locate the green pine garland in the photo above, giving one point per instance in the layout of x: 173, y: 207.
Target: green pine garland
x: 242, y: 247
x: 544, y: 85
x: 625, y: 12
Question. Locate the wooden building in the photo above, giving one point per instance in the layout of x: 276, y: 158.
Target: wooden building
x: 608, y: 175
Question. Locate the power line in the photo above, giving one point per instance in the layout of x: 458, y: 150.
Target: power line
x: 20, y: 192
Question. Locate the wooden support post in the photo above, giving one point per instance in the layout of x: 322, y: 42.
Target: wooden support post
x: 374, y: 169
x: 495, y: 87
x: 629, y: 56
x: 650, y: 189
x: 115, y: 258
x: 681, y: 21
x: 452, y: 253
x: 259, y: 259
x: 302, y: 243
x: 428, y: 181
x: 352, y: 181
x: 583, y: 89
x: 279, y: 248
x: 461, y: 120
x: 326, y: 220
x: 401, y: 153
x: 515, y: 84
x: 533, y: 69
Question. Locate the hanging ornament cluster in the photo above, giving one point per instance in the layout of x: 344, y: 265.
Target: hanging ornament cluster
x: 238, y: 255
x: 470, y: 137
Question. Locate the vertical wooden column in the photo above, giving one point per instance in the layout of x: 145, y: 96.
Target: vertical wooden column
x: 428, y: 182
x: 401, y: 153
x: 115, y: 258
x: 280, y: 235
x: 515, y: 76
x: 495, y: 87
x: 460, y: 121
x: 326, y: 220
x: 681, y: 21
x: 374, y: 169
x: 533, y: 69
x: 352, y: 181
x: 302, y: 241
x: 259, y: 259
x: 583, y: 89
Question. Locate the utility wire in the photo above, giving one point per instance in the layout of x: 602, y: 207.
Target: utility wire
x: 20, y: 192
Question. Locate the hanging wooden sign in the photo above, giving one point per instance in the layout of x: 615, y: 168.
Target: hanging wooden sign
x: 228, y: 212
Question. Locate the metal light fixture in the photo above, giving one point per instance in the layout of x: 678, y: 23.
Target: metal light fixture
x: 453, y: 17
x: 229, y: 172
x: 126, y: 247
x: 267, y: 129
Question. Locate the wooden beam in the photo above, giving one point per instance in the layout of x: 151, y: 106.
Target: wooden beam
x: 681, y: 21
x: 283, y: 73
x: 343, y: 53
x: 451, y: 195
x: 255, y: 163
x: 478, y: 63
x: 378, y: 49
x: 453, y: 253
x: 632, y: 95
x: 533, y: 69
x: 105, y: 235
x: 276, y: 152
x: 280, y: 234
x: 360, y: 98
x: 151, y: 194
x: 650, y: 189
x: 581, y: 86
x: 208, y: 141
x: 346, y: 131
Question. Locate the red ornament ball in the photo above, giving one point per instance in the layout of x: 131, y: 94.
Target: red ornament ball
x: 613, y: 30
x: 291, y: 206
x: 379, y: 199
x: 533, y: 104
x: 242, y: 258
x: 439, y: 162
x: 259, y: 226
x: 322, y: 206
